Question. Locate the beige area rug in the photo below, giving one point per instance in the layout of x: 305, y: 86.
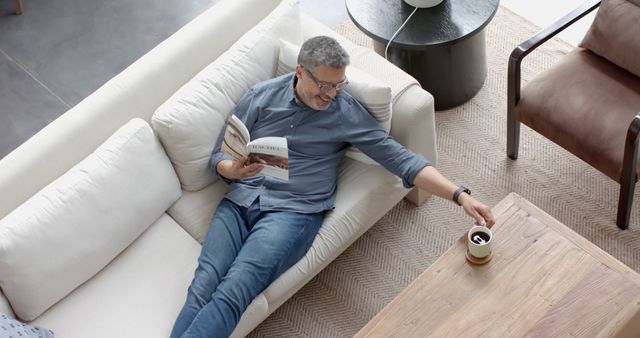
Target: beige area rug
x: 472, y: 151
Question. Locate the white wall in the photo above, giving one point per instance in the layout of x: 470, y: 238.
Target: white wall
x: 544, y: 12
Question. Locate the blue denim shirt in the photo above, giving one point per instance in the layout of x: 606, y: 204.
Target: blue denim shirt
x: 317, y: 143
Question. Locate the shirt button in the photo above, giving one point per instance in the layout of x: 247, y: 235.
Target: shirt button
x: 291, y: 126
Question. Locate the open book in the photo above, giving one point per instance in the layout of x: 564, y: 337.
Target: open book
x: 271, y: 152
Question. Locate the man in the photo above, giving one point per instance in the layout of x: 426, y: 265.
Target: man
x: 265, y: 225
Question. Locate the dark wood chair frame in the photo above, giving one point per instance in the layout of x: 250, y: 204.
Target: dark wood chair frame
x: 18, y: 7
x: 628, y: 177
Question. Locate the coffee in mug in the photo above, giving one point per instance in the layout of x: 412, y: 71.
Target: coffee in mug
x: 480, y: 237
x: 479, y: 241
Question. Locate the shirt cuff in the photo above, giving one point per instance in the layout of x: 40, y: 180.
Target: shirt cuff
x: 215, y: 159
x: 417, y: 168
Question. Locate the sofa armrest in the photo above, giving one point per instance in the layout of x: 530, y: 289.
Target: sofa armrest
x: 413, y: 123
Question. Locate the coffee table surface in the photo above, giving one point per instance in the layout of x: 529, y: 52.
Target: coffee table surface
x: 544, y: 280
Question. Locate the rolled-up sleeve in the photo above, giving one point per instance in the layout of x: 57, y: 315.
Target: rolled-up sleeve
x: 364, y: 132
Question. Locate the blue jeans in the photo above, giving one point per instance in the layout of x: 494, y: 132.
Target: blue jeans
x: 244, y: 251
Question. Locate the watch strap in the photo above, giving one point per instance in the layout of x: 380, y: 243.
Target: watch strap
x: 457, y: 193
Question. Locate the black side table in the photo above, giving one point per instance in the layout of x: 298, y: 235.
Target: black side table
x: 443, y: 47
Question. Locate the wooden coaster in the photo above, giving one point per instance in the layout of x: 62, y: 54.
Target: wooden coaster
x: 478, y: 261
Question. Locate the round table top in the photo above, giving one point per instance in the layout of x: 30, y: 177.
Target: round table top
x: 445, y: 23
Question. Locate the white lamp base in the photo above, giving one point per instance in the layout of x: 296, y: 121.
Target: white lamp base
x: 423, y: 3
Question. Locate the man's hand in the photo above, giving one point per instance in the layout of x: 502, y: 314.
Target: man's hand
x: 480, y: 212
x: 236, y: 169
x: 431, y: 180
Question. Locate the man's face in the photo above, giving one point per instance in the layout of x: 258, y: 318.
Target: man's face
x: 317, y: 87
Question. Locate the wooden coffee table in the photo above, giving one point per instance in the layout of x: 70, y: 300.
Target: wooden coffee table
x: 544, y: 280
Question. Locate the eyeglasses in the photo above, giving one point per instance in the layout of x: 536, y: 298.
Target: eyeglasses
x: 327, y: 87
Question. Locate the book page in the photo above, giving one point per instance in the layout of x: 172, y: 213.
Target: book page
x: 273, y: 154
x: 236, y: 137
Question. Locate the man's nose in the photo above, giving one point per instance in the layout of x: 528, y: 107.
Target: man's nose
x: 331, y: 92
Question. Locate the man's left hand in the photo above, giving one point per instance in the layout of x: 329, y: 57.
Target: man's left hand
x: 480, y: 212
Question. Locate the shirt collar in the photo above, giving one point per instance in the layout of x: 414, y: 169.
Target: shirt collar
x: 291, y: 94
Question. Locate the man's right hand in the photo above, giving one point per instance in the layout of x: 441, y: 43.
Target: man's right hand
x: 236, y: 169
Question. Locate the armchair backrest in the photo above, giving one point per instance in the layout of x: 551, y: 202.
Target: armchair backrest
x: 615, y: 34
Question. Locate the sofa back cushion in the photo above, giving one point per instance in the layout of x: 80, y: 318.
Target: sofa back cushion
x: 77, y: 224
x: 372, y: 93
x: 189, y: 122
x: 615, y: 34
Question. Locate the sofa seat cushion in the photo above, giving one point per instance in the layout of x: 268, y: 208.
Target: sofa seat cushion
x: 193, y: 211
x: 139, y: 294
x: 189, y: 122
x: 365, y: 194
x: 77, y: 224
x: 5, y: 307
x: 560, y: 105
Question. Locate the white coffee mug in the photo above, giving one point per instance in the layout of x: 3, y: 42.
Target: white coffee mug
x: 479, y: 241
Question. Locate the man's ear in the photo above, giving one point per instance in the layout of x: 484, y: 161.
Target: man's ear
x: 299, y: 70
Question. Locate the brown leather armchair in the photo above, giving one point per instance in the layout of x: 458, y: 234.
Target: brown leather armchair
x: 586, y: 103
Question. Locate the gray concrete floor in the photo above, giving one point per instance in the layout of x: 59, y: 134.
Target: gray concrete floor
x: 58, y: 52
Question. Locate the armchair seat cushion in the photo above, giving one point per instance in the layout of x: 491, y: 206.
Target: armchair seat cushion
x: 560, y: 105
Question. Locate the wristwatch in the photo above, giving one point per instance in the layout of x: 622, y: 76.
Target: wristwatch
x: 460, y: 190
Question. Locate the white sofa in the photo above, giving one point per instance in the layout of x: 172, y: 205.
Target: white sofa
x: 102, y: 216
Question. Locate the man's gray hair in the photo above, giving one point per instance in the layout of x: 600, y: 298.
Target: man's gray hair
x: 322, y: 50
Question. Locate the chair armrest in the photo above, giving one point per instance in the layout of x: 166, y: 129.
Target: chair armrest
x: 515, y: 60
x: 629, y: 165
x: 628, y: 177
x: 541, y: 37
x: 522, y: 50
